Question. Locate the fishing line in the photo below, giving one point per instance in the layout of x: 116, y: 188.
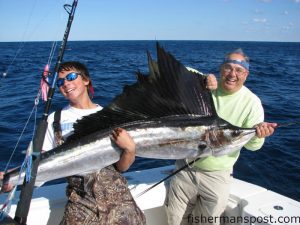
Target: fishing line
x: 51, y: 55
x: 26, y: 165
x: 288, y: 124
x: 22, y: 44
x: 5, y: 209
x: 166, y: 178
x: 54, y: 44
x: 34, y: 109
x: 27, y: 189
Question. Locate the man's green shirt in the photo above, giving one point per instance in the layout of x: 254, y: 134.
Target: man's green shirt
x: 243, y: 109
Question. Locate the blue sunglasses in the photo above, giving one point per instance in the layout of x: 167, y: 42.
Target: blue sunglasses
x: 71, y: 76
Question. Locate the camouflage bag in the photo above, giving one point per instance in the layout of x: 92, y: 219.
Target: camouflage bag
x: 99, y: 198
x: 102, y: 197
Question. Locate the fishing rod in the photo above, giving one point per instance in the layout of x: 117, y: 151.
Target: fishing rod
x: 38, y: 140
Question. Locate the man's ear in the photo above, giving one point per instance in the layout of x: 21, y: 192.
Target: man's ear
x: 247, y: 73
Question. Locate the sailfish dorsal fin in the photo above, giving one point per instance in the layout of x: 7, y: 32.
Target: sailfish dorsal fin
x: 169, y: 89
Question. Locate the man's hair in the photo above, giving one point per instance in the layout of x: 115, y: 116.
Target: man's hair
x: 237, y: 51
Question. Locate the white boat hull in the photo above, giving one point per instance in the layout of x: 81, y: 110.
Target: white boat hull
x: 251, y: 202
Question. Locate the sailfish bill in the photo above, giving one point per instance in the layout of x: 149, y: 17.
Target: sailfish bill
x: 169, y: 113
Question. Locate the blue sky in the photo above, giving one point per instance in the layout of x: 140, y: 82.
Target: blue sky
x: 233, y: 20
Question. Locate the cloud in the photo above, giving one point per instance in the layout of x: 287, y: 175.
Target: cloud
x: 267, y: 1
x: 258, y: 12
x: 260, y: 20
x: 286, y: 27
x: 297, y: 1
x: 285, y: 12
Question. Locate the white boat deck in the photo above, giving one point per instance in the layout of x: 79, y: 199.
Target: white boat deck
x: 254, y: 203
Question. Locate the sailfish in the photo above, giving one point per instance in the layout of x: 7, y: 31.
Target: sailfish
x: 169, y: 113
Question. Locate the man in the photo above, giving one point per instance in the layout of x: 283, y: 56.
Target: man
x: 199, y: 194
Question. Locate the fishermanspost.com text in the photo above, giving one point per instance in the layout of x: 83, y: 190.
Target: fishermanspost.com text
x: 243, y: 219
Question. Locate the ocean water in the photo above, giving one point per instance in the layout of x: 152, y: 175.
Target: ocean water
x: 274, y: 77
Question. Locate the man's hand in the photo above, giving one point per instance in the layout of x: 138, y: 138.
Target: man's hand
x: 5, y: 187
x: 265, y: 129
x: 125, y: 142
x: 211, y: 82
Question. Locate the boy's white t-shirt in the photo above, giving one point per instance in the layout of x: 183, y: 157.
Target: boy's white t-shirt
x: 69, y: 115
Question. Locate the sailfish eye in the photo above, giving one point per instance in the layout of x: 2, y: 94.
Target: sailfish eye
x: 235, y: 133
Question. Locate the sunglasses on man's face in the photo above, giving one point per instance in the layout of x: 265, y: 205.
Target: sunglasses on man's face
x: 71, y: 76
x: 238, y: 70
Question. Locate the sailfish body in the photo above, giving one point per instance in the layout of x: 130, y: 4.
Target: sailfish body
x: 169, y: 114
